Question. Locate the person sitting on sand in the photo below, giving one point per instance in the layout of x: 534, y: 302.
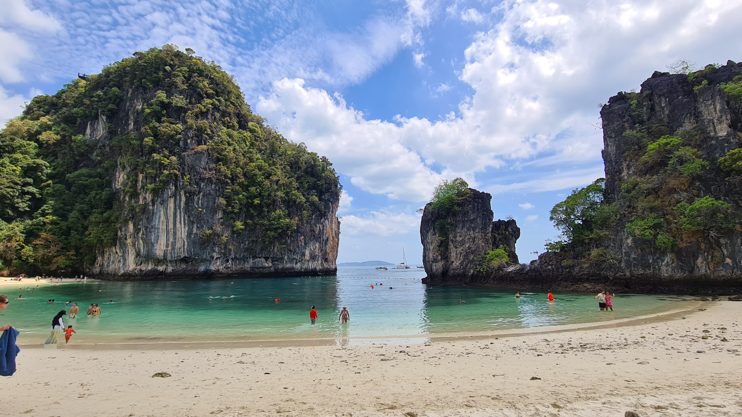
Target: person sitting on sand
x: 4, y: 301
x: 344, y: 315
x: 601, y: 300
x: 74, y: 310
x: 608, y: 301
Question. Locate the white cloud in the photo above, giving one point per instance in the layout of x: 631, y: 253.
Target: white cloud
x: 472, y: 16
x: 417, y: 58
x: 19, y: 13
x: 537, y: 77
x: 345, y: 202
x: 369, y: 151
x: 551, y: 181
x: 531, y: 218
x: 14, y: 51
x: 18, y: 24
x: 442, y: 88
x: 526, y: 206
x: 380, y: 223
x: 10, y: 105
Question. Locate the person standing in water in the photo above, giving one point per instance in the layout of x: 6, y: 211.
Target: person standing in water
x: 74, y: 310
x: 550, y: 296
x: 57, y: 329
x: 313, y: 315
x: 608, y: 301
x: 344, y: 315
x: 601, y: 300
x: 4, y: 301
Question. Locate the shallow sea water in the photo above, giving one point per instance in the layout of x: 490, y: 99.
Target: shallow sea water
x: 399, y: 306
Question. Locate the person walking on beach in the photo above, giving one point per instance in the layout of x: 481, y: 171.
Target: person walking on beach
x: 68, y: 334
x: 608, y: 301
x: 4, y: 301
x: 550, y: 296
x: 601, y: 300
x: 344, y: 316
x: 313, y: 314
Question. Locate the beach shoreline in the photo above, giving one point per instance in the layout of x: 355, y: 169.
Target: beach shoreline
x: 681, y: 364
x: 170, y: 343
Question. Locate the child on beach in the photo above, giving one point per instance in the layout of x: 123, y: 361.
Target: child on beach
x: 608, y: 301
x: 68, y: 334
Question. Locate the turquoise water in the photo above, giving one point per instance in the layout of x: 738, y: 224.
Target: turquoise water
x: 245, y: 308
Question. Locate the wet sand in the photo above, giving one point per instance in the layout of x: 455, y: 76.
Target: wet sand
x: 685, y: 363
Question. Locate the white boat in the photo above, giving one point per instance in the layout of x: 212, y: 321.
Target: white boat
x: 403, y: 264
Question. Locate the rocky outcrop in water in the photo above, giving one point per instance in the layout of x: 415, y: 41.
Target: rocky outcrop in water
x: 456, y: 240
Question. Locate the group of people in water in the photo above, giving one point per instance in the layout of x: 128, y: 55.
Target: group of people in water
x: 344, y: 316
x: 604, y: 298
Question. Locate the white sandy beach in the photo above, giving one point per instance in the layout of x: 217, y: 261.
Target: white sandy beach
x: 684, y: 366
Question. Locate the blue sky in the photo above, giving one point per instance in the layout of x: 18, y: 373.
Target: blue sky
x: 399, y: 94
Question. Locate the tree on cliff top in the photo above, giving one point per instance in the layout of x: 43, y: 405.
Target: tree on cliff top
x: 448, y: 194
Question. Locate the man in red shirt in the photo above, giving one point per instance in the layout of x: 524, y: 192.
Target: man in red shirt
x: 313, y: 315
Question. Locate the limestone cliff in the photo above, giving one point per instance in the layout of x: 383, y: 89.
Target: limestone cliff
x: 697, y: 118
x: 157, y: 167
x: 667, y: 217
x: 457, y: 239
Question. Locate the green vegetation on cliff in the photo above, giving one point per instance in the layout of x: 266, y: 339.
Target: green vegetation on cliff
x: 672, y: 190
x: 134, y: 123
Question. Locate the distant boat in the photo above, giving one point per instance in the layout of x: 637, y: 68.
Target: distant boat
x: 381, y: 268
x: 420, y: 267
x: 403, y: 264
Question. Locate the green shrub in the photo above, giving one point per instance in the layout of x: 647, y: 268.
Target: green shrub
x: 706, y: 214
x: 496, y: 258
x: 575, y: 216
x: 645, y: 228
x: 660, y: 150
x: 732, y: 161
x: 733, y: 89
x: 448, y: 194
x: 688, y: 162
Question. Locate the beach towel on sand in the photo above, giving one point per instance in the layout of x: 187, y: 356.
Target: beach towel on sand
x: 8, y: 352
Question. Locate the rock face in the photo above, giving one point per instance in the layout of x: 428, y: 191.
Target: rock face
x: 185, y: 229
x: 456, y: 241
x: 158, y: 168
x: 671, y: 212
x: 710, y: 120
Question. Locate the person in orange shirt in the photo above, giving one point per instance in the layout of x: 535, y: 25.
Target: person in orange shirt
x: 313, y: 315
x: 550, y: 296
x: 68, y: 333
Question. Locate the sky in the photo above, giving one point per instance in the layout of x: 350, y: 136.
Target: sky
x: 399, y: 95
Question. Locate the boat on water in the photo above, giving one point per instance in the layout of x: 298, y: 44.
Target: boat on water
x: 403, y: 264
x: 381, y: 268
